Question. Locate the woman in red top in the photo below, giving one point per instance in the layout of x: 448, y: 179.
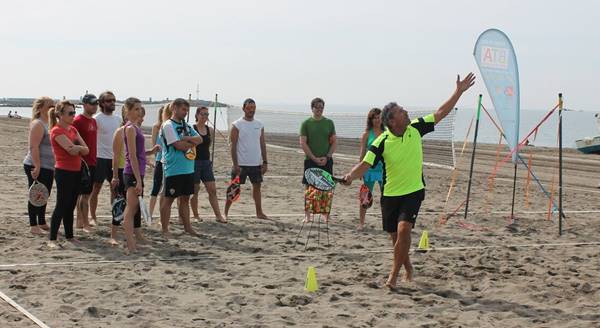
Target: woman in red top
x: 68, y: 147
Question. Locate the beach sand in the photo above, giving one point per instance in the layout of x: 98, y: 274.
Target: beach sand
x: 480, y: 272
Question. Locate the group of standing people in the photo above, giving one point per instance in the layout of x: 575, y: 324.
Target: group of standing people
x: 82, y: 152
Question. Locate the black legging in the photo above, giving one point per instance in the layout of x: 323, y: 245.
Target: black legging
x: 157, y: 179
x: 67, y: 190
x: 37, y: 215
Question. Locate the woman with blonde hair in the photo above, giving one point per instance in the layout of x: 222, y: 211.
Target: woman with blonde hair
x: 39, y: 161
x: 164, y: 113
x: 135, y: 167
x: 68, y: 147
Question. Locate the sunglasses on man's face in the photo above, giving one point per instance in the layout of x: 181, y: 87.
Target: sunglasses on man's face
x: 71, y: 113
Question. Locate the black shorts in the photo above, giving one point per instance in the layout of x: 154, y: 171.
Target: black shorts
x: 203, y: 171
x: 86, y: 189
x: 253, y: 172
x: 310, y: 164
x: 400, y: 208
x: 179, y: 185
x: 157, y: 179
x: 104, y: 170
x: 130, y: 182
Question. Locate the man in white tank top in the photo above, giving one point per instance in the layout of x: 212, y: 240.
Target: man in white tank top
x: 249, y: 154
x: 107, y: 123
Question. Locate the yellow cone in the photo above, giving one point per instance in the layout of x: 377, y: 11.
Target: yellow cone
x: 424, y: 242
x: 311, y: 284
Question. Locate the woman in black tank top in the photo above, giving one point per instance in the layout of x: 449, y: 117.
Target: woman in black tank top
x: 203, y: 170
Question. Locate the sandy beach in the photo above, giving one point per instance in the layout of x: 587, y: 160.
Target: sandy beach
x: 480, y: 272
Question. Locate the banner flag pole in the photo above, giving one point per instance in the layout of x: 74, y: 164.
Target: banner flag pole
x: 473, y: 155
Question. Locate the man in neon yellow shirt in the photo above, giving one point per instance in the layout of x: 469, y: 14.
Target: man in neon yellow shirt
x: 400, y: 150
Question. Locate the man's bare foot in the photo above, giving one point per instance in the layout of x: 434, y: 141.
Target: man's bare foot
x: 262, y: 216
x: 44, y: 227
x: 408, y: 274
x: 360, y: 227
x: 191, y: 232
x: 53, y: 244
x: 87, y: 229
x: 197, y: 219
x: 35, y: 230
x: 391, y: 282
x: 167, y: 235
x: 128, y: 251
x: 221, y: 219
x: 93, y: 222
x: 113, y: 242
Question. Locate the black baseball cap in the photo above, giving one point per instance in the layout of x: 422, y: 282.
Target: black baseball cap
x: 89, y: 99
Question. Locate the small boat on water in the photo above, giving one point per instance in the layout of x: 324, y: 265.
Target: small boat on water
x: 589, y: 145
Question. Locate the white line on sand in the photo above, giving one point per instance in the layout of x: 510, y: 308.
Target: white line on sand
x: 22, y: 310
x: 304, y: 254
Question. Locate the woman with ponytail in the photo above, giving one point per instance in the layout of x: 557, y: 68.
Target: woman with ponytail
x: 164, y: 113
x: 68, y: 147
x: 39, y: 161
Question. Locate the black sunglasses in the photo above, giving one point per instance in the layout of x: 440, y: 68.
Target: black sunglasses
x: 71, y: 113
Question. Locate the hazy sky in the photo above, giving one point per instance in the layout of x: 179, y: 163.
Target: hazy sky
x: 287, y: 52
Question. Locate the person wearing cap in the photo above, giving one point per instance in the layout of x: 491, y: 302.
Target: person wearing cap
x: 87, y: 128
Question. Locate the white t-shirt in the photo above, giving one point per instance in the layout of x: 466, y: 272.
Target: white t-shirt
x: 248, y: 146
x: 107, y: 125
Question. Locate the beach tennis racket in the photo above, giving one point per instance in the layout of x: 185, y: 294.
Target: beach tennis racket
x: 38, y: 194
x: 321, y: 179
x: 365, y: 196
x: 145, y: 212
x: 118, y: 208
x: 233, y: 190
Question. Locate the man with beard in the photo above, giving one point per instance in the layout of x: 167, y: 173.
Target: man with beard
x: 248, y: 154
x: 107, y: 125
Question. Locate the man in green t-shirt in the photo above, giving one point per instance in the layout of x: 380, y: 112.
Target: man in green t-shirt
x: 400, y: 150
x: 317, y: 139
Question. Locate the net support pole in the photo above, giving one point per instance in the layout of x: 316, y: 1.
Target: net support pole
x: 560, y: 165
x: 473, y: 156
x: 212, y: 154
x: 512, y: 207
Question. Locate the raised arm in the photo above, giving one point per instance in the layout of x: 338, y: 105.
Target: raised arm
x: 461, y: 87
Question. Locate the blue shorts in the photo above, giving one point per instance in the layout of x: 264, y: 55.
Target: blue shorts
x: 203, y: 171
x: 371, y: 177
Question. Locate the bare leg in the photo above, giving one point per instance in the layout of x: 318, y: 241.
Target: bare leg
x: 185, y: 215
x: 82, y: 213
x: 211, y: 189
x: 113, y: 235
x: 227, y: 207
x: 258, y: 201
x: 165, y: 213
x: 401, y: 248
x: 130, y: 209
x: 194, y: 202
x: 361, y: 215
x: 94, y: 202
x: 152, y: 205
